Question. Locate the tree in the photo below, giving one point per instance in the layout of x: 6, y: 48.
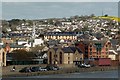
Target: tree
x: 15, y: 22
x: 92, y: 15
x: 30, y: 23
x: 5, y: 25
x: 85, y: 27
x: 77, y: 30
x: 4, y: 30
x: 106, y: 15
x: 50, y: 21
x: 76, y: 16
x: 58, y: 23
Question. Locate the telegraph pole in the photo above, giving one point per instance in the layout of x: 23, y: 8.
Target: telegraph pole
x: 102, y: 12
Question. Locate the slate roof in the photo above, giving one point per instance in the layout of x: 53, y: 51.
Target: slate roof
x: 60, y: 34
x: 42, y: 53
x: 114, y: 42
x: 98, y: 35
x: 69, y: 49
x: 53, y: 42
x: 87, y: 42
x: 16, y: 56
x: 84, y: 36
x: 19, y: 34
x: 75, y: 48
x: 55, y: 49
x: 14, y: 46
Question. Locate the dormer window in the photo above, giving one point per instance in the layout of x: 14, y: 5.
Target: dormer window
x: 90, y: 45
x: 106, y: 46
x: 55, y: 56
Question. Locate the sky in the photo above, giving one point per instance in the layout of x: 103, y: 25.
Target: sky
x: 60, y: 0
x: 40, y: 10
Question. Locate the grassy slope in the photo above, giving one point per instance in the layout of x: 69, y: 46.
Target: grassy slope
x: 109, y: 17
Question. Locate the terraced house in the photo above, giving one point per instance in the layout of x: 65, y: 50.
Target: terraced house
x: 65, y: 55
x: 60, y: 36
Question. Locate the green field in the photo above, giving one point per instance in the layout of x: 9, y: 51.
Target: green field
x: 109, y: 17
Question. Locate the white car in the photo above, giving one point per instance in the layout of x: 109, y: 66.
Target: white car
x: 87, y: 66
x: 43, y: 69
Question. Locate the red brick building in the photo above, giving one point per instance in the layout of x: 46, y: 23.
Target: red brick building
x: 94, y: 49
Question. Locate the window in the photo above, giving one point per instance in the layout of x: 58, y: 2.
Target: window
x: 90, y: 53
x: 90, y: 45
x: 80, y: 58
x: 106, y: 46
x: 55, y: 56
x: 60, y: 57
x: 106, y: 49
x: 3, y: 57
x: 90, y: 49
x: 68, y: 62
x: 50, y: 58
x: 68, y: 58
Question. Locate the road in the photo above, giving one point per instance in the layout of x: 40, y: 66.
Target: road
x: 98, y: 74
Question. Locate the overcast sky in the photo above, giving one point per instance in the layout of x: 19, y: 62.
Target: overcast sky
x: 39, y: 10
x: 60, y: 0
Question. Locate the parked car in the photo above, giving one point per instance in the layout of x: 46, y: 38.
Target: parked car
x: 87, y: 65
x: 38, y: 68
x: 43, y: 69
x: 35, y: 69
x: 92, y: 65
x: 81, y: 65
x: 25, y: 69
x: 84, y: 65
x: 52, y: 67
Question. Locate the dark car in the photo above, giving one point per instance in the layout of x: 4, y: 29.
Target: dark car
x: 52, y: 67
x: 92, y: 65
x: 25, y: 69
x: 35, y: 69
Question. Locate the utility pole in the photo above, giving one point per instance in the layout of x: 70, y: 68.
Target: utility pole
x: 102, y: 12
x: 33, y: 32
